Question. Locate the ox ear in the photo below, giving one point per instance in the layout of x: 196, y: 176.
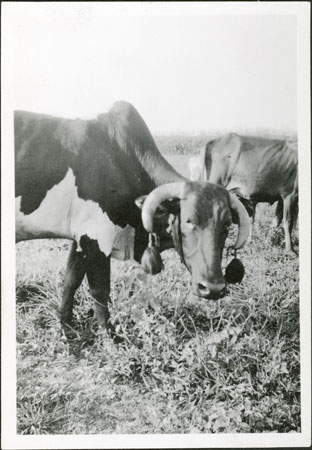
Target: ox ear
x: 140, y: 201
x: 164, y: 215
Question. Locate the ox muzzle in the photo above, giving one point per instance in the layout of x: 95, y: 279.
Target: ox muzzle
x: 209, y: 291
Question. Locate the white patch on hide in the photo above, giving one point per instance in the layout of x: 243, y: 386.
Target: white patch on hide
x: 123, y: 248
x: 63, y: 214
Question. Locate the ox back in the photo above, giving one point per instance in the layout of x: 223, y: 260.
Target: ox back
x: 76, y: 177
x: 258, y: 170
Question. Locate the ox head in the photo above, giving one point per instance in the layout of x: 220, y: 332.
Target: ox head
x: 198, y: 217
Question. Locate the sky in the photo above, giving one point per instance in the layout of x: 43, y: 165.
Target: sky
x: 183, y: 72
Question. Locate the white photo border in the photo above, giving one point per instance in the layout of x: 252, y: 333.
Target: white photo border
x: 10, y: 440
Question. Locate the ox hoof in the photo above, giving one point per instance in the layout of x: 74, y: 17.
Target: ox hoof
x: 117, y: 339
x: 65, y: 317
x: 70, y: 333
x: 110, y: 329
x: 111, y: 335
x: 291, y: 253
x: 66, y: 321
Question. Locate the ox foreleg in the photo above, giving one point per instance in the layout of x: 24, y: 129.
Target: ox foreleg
x: 289, y: 214
x: 98, y: 274
x: 250, y: 206
x: 277, y: 220
x: 75, y: 271
x: 252, y: 217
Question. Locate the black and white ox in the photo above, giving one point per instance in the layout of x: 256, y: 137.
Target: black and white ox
x: 81, y: 180
x: 257, y: 169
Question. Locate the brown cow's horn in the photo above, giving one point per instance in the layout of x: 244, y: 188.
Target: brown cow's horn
x: 244, y: 221
x: 155, y: 198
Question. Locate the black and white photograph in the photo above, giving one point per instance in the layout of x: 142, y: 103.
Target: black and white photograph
x: 156, y: 225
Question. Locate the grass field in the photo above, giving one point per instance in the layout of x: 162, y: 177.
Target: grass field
x: 186, y: 364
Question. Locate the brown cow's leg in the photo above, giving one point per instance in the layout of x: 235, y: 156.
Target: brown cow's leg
x: 278, y: 214
x: 74, y: 274
x: 252, y: 217
x: 288, y: 216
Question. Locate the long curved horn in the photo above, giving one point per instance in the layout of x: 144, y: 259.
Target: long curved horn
x: 154, y: 199
x: 244, y: 222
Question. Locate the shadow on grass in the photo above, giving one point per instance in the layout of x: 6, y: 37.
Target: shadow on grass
x: 27, y: 292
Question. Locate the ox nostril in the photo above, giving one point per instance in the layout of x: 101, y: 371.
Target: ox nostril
x: 203, y: 287
x: 210, y: 291
x: 222, y: 292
